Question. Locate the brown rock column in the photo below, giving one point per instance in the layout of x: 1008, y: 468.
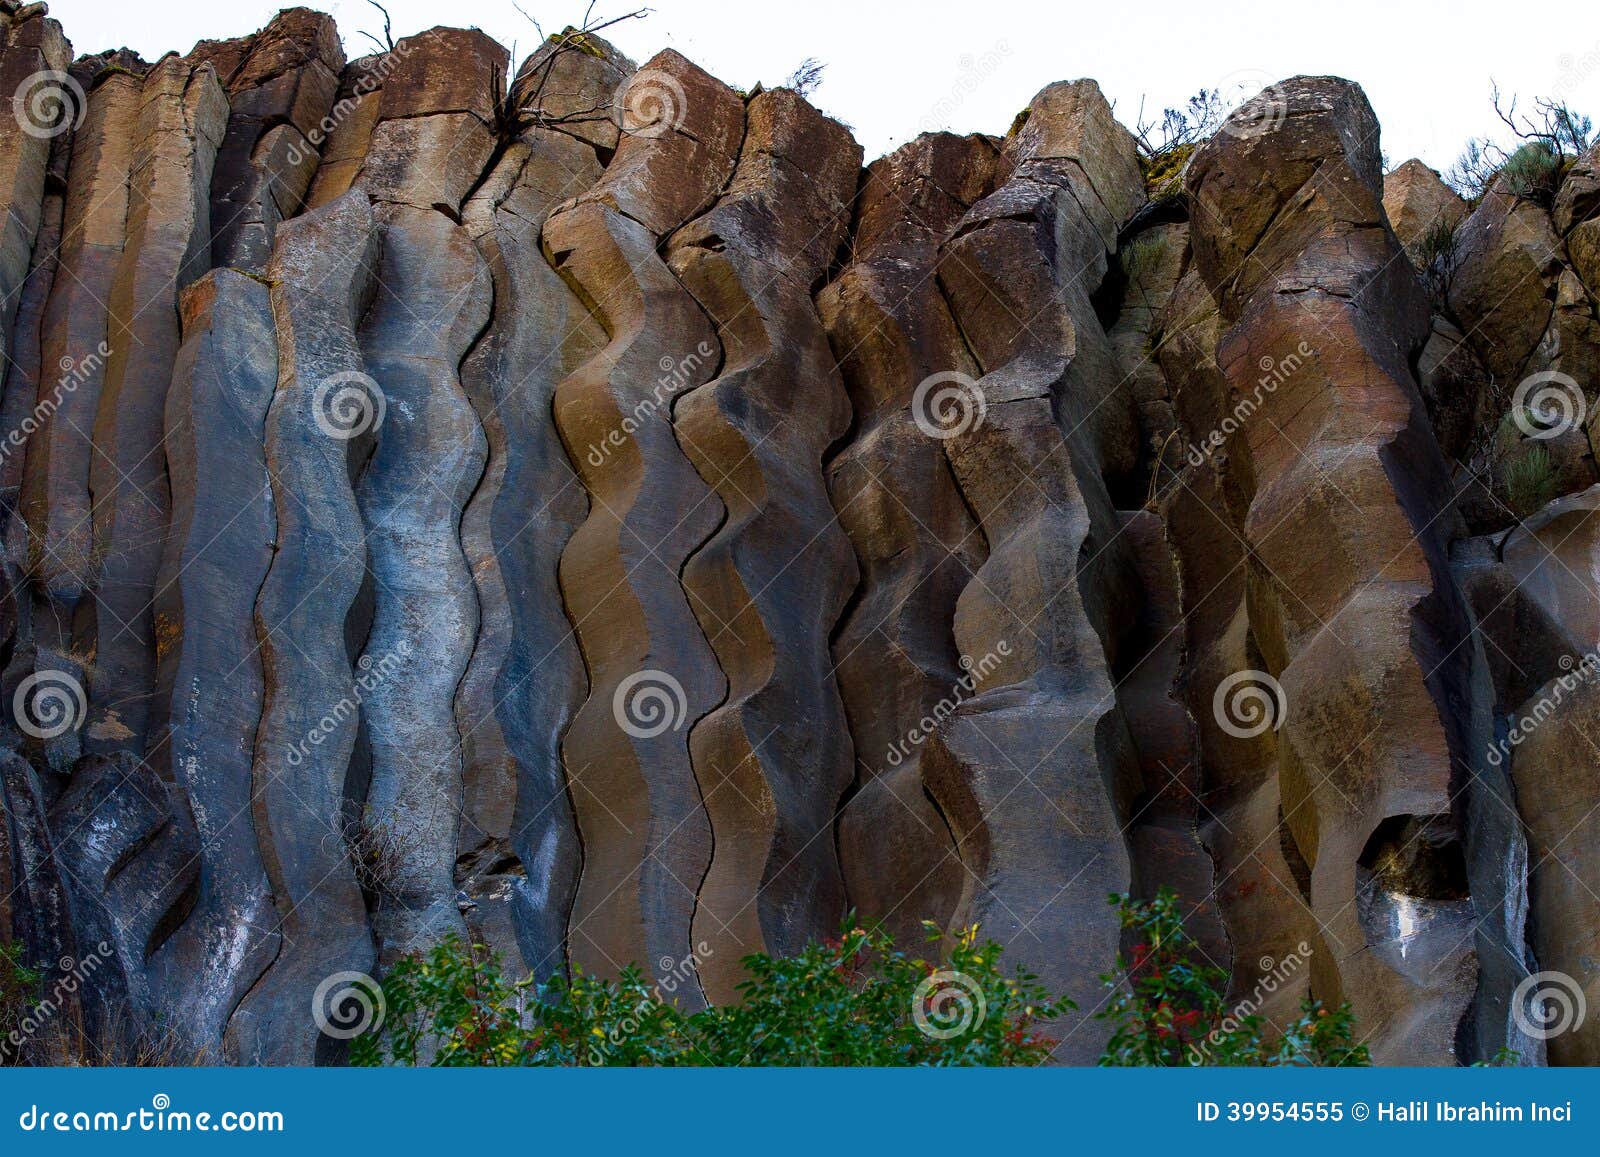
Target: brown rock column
x: 1036, y: 770
x: 774, y: 758
x: 1349, y: 598
x: 646, y: 839
x: 916, y: 542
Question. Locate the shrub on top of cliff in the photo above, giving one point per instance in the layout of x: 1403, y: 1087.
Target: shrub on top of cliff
x: 852, y: 1000
x: 1168, y: 1008
x: 1165, y: 145
x: 1554, y: 133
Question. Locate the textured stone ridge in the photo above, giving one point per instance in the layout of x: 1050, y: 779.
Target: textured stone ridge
x: 589, y: 513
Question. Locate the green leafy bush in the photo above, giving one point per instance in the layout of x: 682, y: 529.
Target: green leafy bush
x: 1168, y: 1007
x: 851, y: 1000
x: 1533, y: 172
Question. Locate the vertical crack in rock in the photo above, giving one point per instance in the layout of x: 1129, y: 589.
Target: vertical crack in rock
x: 281, y: 85
x: 210, y: 683
x: 518, y: 854
x: 322, y: 278
x: 1364, y: 631
x: 774, y: 759
x: 182, y: 115
x: 915, y: 541
x: 1036, y: 770
x: 433, y: 299
x: 652, y: 675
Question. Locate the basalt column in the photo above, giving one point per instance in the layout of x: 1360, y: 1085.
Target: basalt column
x: 322, y: 275
x: 915, y: 540
x: 1036, y: 770
x: 1349, y: 598
x: 774, y: 758
x: 518, y: 854
x: 646, y: 839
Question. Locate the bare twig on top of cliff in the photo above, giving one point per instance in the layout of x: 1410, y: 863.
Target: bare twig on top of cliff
x: 520, y: 112
x: 1553, y: 122
x: 387, y: 43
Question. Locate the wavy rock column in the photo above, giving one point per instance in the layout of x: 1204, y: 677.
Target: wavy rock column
x: 775, y: 757
x: 281, y: 84
x: 1349, y: 598
x: 321, y: 278
x: 915, y: 540
x: 210, y: 681
x: 55, y: 488
x: 646, y: 839
x: 1261, y: 884
x: 1036, y: 771
x: 518, y: 854
x: 182, y: 116
x: 434, y: 297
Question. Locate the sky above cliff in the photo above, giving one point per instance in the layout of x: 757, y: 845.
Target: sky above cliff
x: 897, y: 69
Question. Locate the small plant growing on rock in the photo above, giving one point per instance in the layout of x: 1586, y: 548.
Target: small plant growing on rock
x: 1530, y: 480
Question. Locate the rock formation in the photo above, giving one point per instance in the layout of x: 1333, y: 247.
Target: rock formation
x: 587, y: 513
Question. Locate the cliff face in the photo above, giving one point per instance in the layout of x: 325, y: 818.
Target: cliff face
x: 593, y: 515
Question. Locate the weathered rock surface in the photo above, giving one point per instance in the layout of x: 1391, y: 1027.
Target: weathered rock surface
x: 601, y: 520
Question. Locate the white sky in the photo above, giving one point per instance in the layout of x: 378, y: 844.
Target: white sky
x: 896, y: 69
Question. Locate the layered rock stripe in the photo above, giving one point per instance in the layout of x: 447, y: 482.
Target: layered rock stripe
x: 587, y: 513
